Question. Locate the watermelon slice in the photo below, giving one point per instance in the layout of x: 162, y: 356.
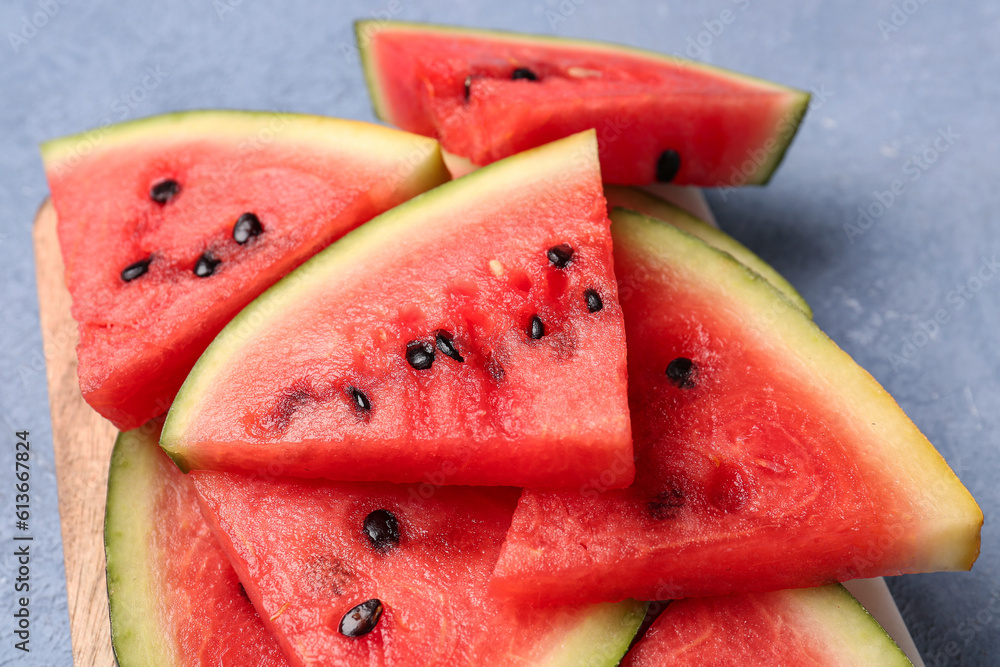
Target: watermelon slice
x: 654, y: 207
x: 170, y: 225
x: 812, y: 626
x: 766, y: 459
x: 174, y: 598
x: 378, y: 574
x: 470, y: 336
x: 487, y: 95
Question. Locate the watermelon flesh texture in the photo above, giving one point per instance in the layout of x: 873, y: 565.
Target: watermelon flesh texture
x: 814, y: 626
x: 302, y: 553
x: 315, y: 380
x: 775, y: 462
x: 174, y: 598
x: 473, y: 91
x: 654, y: 207
x: 307, y: 180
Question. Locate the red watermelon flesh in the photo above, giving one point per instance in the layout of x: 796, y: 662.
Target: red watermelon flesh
x: 342, y: 371
x: 822, y: 626
x: 766, y: 459
x: 174, y: 598
x: 302, y: 550
x: 159, y: 201
x: 487, y: 95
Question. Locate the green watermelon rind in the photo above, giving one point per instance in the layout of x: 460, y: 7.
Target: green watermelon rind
x: 602, y: 638
x: 654, y: 207
x: 346, y: 253
x: 856, y: 633
x: 825, y: 619
x: 137, y: 635
x: 365, y: 139
x: 951, y: 517
x: 795, y: 113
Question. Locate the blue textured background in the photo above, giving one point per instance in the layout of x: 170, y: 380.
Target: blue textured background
x: 888, y: 77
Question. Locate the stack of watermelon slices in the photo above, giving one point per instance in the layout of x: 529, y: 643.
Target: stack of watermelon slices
x: 358, y: 436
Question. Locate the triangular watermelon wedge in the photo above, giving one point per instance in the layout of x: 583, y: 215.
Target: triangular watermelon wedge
x: 379, y: 574
x: 766, y: 458
x: 810, y: 626
x: 174, y: 599
x: 170, y: 225
x: 486, y: 95
x: 469, y: 336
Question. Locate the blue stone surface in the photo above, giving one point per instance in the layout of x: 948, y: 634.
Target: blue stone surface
x: 905, y: 93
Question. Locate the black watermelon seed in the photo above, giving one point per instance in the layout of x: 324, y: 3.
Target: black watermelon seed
x: 447, y: 347
x: 361, y: 401
x: 667, y: 166
x: 523, y: 73
x: 361, y: 620
x: 420, y: 354
x: 164, y: 191
x: 382, y: 530
x: 560, y: 255
x: 243, y: 592
x: 682, y: 372
x: 468, y: 87
x: 133, y: 271
x: 593, y: 299
x: 537, y: 328
x: 247, y: 226
x: 206, y: 265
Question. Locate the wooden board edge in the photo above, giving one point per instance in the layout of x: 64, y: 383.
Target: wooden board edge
x: 81, y: 442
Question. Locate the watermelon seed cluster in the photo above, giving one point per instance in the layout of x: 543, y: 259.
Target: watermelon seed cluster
x: 162, y: 192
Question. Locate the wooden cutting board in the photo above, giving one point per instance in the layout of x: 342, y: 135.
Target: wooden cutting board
x: 82, y: 441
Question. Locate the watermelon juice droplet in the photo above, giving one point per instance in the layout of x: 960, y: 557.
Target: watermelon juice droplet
x: 362, y: 619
